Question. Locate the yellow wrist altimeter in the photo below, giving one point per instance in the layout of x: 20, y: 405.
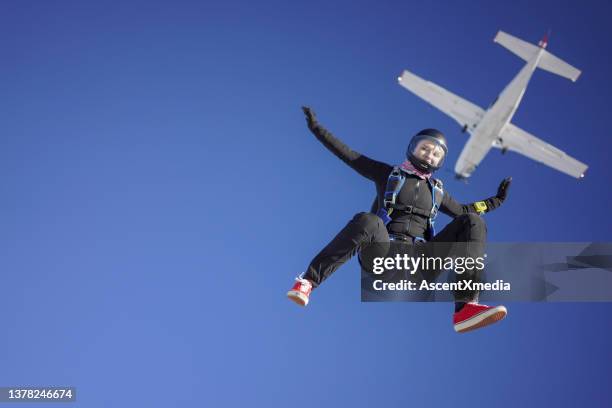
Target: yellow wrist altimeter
x: 480, y: 207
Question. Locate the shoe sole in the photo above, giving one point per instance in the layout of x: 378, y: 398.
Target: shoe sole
x: 481, y: 320
x: 299, y: 298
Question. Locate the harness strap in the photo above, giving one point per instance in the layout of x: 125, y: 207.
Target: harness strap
x: 395, y: 182
x: 410, y: 209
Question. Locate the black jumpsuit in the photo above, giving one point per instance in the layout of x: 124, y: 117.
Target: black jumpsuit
x: 367, y: 228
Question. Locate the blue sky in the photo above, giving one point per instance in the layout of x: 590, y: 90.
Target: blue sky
x: 160, y: 190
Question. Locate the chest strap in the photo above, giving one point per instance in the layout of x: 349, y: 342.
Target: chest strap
x: 410, y: 209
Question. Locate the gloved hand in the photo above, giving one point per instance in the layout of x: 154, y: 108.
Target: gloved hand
x: 311, y: 118
x: 502, y: 190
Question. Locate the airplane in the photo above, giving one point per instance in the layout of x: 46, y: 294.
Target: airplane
x: 492, y: 128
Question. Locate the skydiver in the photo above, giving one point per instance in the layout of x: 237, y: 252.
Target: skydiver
x: 406, y: 214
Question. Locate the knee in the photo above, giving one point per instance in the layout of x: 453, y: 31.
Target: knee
x: 475, y: 218
x: 472, y: 220
x: 368, y: 221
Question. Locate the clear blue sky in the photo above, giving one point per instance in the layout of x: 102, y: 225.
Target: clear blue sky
x: 160, y: 190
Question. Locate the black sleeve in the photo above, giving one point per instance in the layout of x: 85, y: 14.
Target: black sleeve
x: 451, y: 207
x: 369, y: 168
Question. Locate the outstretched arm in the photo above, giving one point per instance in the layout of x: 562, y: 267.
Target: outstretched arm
x: 362, y: 164
x: 451, y: 207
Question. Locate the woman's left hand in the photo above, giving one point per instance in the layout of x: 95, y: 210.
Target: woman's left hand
x: 502, y: 190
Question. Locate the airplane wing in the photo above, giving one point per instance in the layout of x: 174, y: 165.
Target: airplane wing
x: 464, y: 112
x: 516, y: 139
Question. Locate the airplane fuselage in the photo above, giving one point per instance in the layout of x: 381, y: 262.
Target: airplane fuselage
x: 487, y: 131
x: 493, y: 127
x: 503, y: 110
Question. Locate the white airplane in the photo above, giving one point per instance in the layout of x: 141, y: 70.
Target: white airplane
x: 492, y: 128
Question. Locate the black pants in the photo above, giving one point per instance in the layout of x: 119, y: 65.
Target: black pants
x: 367, y: 230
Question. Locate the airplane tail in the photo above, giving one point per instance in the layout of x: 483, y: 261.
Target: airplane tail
x: 527, y: 51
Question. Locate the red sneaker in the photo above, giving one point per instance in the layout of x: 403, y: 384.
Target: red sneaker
x: 300, y: 292
x: 474, y: 316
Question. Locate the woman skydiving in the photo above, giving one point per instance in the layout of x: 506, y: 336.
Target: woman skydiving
x: 408, y: 199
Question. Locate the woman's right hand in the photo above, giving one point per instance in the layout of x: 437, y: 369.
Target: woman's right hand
x: 311, y: 118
